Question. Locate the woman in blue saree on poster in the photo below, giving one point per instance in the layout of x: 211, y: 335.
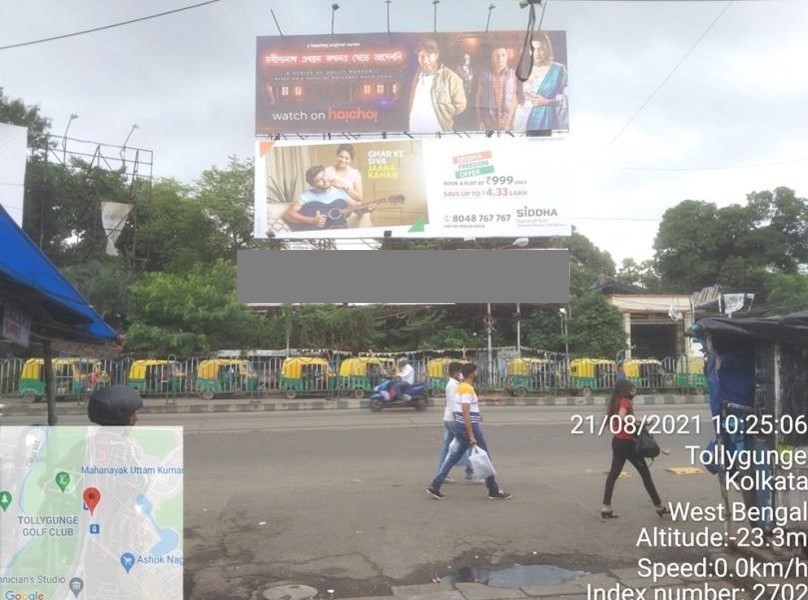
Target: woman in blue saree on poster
x: 544, y: 101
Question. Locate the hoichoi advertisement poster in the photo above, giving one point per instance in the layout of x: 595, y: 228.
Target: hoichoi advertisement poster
x: 414, y: 82
x: 472, y: 187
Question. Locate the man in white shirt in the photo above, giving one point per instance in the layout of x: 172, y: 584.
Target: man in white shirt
x: 406, y: 378
x: 448, y: 423
x: 468, y: 433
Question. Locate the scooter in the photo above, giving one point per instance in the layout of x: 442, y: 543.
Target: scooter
x: 384, y: 396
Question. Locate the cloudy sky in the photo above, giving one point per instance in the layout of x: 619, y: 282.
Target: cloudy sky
x: 732, y: 119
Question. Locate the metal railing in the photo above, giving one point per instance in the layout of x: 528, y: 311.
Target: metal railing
x: 262, y: 376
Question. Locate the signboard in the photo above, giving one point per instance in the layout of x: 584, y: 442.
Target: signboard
x: 410, y: 82
x: 13, y: 156
x: 16, y: 325
x: 482, y: 187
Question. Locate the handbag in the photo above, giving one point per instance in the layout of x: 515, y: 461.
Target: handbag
x: 645, y: 445
x: 481, y: 463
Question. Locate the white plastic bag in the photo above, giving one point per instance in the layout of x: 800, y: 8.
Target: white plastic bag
x: 481, y: 463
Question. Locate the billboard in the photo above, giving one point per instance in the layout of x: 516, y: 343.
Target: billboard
x: 13, y: 156
x: 410, y: 82
x: 473, y: 187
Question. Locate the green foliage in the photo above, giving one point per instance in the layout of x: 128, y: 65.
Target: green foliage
x: 789, y: 293
x: 543, y: 330
x: 227, y: 197
x: 15, y: 112
x: 595, y: 327
x: 105, y: 284
x: 193, y: 313
x: 173, y: 232
x: 337, y: 327
x: 699, y: 245
x: 643, y: 274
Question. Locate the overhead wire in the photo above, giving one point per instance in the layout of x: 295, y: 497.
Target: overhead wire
x: 110, y: 26
x: 672, y: 72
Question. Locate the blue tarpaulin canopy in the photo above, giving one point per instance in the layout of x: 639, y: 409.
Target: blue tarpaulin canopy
x: 30, y: 281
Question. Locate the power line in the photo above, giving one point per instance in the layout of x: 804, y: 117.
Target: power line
x: 103, y: 27
x: 669, y: 75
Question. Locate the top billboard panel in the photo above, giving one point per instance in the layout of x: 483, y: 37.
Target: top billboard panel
x: 410, y: 82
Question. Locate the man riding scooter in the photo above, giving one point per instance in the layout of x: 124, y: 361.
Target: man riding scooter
x: 405, y: 379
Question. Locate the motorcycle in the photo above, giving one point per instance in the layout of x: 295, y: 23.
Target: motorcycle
x: 384, y: 396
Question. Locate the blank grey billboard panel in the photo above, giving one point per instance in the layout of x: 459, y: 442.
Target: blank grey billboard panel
x: 403, y: 276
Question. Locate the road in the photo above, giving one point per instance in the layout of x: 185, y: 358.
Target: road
x: 336, y: 500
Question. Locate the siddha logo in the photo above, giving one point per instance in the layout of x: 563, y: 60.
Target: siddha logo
x: 12, y: 595
x: 536, y: 212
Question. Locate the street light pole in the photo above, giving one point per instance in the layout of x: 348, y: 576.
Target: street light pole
x: 64, y: 137
x: 563, y: 313
x: 518, y: 330
x: 490, y: 349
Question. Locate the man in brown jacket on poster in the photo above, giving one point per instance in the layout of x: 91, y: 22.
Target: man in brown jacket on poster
x: 437, y: 94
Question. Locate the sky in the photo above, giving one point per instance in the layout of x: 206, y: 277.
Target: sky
x: 730, y: 120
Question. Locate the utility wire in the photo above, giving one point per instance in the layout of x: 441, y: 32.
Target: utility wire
x: 669, y: 75
x: 111, y: 26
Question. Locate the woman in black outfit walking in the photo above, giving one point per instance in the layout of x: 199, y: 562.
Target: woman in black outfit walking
x: 621, y: 406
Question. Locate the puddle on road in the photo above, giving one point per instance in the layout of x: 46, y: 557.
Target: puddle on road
x: 515, y: 576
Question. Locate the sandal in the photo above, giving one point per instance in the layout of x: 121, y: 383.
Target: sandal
x: 608, y: 514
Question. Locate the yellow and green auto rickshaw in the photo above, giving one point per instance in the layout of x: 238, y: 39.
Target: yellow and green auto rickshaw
x: 309, y: 376
x: 437, y: 374
x: 590, y: 374
x: 154, y: 376
x: 71, y: 377
x: 690, y: 374
x: 225, y: 376
x: 646, y: 373
x: 530, y: 375
x: 362, y: 374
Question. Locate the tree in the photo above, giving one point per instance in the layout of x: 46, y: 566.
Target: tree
x: 595, y: 327
x: 685, y: 247
x: 227, y: 197
x: 789, y: 293
x: 105, y: 284
x: 173, y: 232
x: 699, y: 245
x: 192, y: 314
x: 15, y: 112
x: 643, y: 274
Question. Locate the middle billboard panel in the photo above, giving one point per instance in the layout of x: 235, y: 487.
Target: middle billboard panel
x: 480, y: 187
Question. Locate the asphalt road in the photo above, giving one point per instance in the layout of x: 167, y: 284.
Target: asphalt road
x: 337, y: 500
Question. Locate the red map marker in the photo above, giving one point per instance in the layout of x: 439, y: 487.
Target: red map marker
x: 91, y: 498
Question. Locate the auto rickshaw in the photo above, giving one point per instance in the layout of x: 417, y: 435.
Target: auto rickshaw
x: 307, y: 375
x: 225, y: 376
x: 154, y: 376
x: 646, y: 374
x: 530, y: 375
x: 71, y: 377
x: 690, y: 374
x: 589, y: 374
x: 437, y: 375
x: 362, y: 374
